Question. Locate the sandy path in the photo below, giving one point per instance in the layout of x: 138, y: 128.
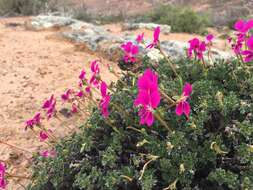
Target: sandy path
x: 32, y: 67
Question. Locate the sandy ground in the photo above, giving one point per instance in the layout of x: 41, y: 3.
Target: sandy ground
x: 33, y: 65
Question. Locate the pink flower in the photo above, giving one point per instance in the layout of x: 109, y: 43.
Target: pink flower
x: 130, y: 51
x: 3, y: 182
x: 65, y: 97
x: 94, y: 67
x: 82, y: 75
x: 156, y: 36
x: 94, y: 81
x: 209, y: 38
x: 105, y: 101
x: 183, y: 107
x: 243, y: 26
x: 34, y: 121
x: 48, y: 102
x: 44, y: 135
x: 80, y: 94
x: 88, y: 89
x: 48, y: 154
x: 248, y: 53
x: 139, y: 38
x: 49, y: 106
x: 148, y: 97
x: 197, y: 47
x: 51, y: 111
x: 74, y: 108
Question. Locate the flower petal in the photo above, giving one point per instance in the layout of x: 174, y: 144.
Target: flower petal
x: 179, y: 109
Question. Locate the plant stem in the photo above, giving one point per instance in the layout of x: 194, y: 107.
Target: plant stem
x: 146, y: 165
x: 16, y: 176
x: 167, y: 97
x: 158, y: 117
x: 15, y: 147
x: 168, y: 60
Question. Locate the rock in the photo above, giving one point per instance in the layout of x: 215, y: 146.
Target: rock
x: 174, y: 49
x: 90, y: 38
x: 155, y: 55
x: 45, y: 22
x: 96, y: 38
x: 166, y: 29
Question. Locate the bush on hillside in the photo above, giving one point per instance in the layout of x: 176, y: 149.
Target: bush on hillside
x: 180, y: 19
x: 21, y: 7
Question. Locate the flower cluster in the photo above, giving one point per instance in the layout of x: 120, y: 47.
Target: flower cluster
x: 242, y: 44
x: 86, y: 85
x: 130, y: 51
x: 198, y: 47
x: 148, y: 96
x: 3, y: 182
x: 30, y: 123
x: 49, y: 106
x: 156, y: 36
x: 183, y: 107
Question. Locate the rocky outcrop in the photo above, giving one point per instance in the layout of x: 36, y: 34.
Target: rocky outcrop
x: 46, y: 22
x: 97, y: 39
x: 166, y: 29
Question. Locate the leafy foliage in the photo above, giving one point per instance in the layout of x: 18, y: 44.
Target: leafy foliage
x: 211, y: 150
x: 21, y: 7
x: 180, y: 19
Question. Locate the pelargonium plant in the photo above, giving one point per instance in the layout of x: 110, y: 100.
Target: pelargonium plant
x: 175, y: 125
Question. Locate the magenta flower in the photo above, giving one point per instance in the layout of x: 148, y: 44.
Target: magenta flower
x: 243, y: 26
x: 94, y: 67
x: 44, y: 135
x: 82, y: 75
x: 48, y: 154
x: 34, y: 121
x: 66, y: 96
x: 130, y: 51
x: 156, y: 36
x: 183, y: 107
x: 209, y: 38
x: 248, y: 53
x: 51, y: 111
x: 74, y: 108
x: 47, y: 104
x: 140, y: 38
x: 94, y: 80
x: 80, y: 94
x: 105, y: 101
x: 197, y: 48
x: 3, y: 182
x: 148, y: 97
x: 88, y: 89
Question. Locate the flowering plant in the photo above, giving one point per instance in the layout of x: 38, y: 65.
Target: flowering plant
x: 175, y: 125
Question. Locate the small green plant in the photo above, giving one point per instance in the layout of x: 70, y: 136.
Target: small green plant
x: 180, y: 19
x: 21, y: 7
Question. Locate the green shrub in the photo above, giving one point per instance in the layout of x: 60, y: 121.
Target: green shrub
x: 21, y: 7
x: 209, y: 151
x: 180, y: 19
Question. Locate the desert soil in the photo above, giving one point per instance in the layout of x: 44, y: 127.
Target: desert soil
x: 35, y: 65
